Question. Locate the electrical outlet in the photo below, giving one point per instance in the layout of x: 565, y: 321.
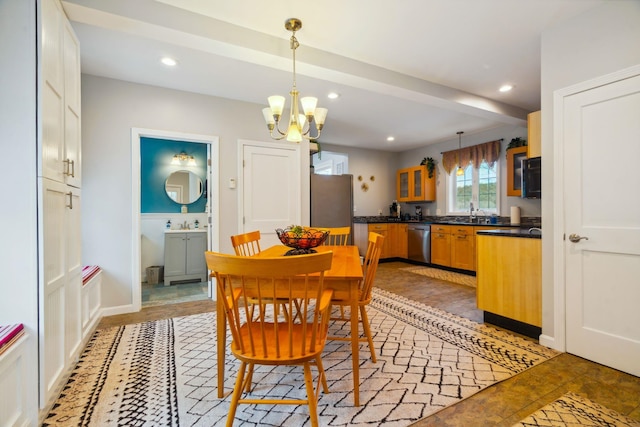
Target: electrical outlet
x: 355, y: 208
x: 380, y: 212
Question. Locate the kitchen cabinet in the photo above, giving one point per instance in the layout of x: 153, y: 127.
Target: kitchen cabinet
x: 514, y: 170
x: 414, y: 185
x: 184, y: 256
x: 509, y: 275
x: 534, y: 131
x: 441, y: 245
x: 463, y: 248
x: 395, y: 238
x: 455, y: 245
x: 398, y: 240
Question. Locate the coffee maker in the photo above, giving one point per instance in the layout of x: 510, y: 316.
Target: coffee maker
x: 419, y: 213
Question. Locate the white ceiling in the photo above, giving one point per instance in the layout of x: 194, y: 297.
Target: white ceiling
x: 419, y: 70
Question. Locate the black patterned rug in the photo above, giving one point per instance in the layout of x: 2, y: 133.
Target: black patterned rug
x: 574, y: 410
x: 163, y: 373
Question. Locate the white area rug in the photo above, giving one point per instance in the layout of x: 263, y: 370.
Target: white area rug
x: 163, y: 373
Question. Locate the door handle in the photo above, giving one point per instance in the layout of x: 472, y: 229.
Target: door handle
x: 575, y: 238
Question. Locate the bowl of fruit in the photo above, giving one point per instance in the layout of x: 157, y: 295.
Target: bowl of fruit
x: 301, y: 239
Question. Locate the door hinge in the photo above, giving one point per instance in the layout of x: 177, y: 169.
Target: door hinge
x: 242, y: 220
x: 564, y: 236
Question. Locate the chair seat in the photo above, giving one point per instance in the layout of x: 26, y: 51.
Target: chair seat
x: 294, y: 355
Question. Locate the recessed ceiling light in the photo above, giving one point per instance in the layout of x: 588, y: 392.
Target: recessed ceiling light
x: 333, y: 95
x: 390, y: 138
x: 506, y: 88
x: 169, y: 61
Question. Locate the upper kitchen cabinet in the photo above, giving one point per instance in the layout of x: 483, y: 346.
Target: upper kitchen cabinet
x: 514, y: 170
x: 414, y: 185
x: 533, y: 135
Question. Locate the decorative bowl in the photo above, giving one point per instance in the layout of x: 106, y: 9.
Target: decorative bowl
x: 301, y: 240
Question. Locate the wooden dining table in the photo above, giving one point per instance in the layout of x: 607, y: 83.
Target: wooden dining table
x: 344, y: 278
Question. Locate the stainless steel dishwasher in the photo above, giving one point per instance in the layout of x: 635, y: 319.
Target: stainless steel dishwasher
x: 419, y: 239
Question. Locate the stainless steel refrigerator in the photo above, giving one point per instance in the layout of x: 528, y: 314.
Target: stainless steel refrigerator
x: 332, y: 201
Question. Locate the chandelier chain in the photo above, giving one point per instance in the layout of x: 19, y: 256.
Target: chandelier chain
x: 294, y: 45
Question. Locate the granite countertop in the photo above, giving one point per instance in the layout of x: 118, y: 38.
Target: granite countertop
x: 502, y: 222
x: 531, y: 233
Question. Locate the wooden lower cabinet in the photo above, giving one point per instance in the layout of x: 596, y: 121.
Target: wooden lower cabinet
x: 440, y: 245
x: 398, y: 240
x: 463, y: 248
x: 509, y: 277
x: 455, y: 245
x: 395, y: 238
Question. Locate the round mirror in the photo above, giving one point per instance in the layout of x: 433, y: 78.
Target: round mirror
x: 183, y: 187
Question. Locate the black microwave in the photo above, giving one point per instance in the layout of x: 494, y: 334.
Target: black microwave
x: 531, y: 178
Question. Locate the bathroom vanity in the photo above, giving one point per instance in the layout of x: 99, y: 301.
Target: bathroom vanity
x: 184, y: 256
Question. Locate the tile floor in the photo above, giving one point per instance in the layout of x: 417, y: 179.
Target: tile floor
x: 504, y: 403
x: 159, y: 294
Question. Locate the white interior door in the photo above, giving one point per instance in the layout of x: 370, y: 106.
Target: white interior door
x: 602, y: 204
x: 271, y: 189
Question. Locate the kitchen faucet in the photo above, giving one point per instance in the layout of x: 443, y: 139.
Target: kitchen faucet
x: 471, y: 211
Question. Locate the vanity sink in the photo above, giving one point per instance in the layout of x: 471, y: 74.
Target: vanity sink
x: 191, y: 230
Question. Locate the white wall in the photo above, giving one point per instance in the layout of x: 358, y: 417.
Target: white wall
x: 110, y: 109
x: 600, y: 41
x: 367, y: 163
x: 529, y: 207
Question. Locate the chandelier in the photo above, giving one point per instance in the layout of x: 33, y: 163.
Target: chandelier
x: 299, y: 124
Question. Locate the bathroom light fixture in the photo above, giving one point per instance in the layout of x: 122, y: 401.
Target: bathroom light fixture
x: 460, y: 171
x: 296, y: 129
x: 182, y: 157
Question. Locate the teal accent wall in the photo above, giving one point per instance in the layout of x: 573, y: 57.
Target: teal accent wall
x: 155, y: 167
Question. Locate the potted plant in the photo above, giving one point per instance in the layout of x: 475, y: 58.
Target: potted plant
x: 431, y: 165
x: 516, y: 142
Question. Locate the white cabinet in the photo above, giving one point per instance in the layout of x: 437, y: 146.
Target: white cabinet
x: 60, y: 324
x: 60, y: 94
x: 184, y: 256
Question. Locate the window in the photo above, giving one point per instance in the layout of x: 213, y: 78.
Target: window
x: 477, y: 186
x: 329, y: 163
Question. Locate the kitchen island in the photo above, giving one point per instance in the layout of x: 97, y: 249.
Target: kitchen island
x: 509, y: 278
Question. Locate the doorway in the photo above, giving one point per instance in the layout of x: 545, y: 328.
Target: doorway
x: 151, y: 217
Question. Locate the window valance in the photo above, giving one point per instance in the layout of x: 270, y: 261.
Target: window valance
x: 476, y: 154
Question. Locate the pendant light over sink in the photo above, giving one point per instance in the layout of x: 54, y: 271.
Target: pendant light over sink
x: 299, y: 124
x: 460, y: 170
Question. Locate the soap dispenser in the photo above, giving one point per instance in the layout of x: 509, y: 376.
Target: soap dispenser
x: 168, y: 225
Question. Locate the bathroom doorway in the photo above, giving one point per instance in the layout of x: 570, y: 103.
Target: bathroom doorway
x: 176, y: 195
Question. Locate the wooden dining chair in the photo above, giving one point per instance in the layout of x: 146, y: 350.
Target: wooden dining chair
x: 266, y: 339
x: 246, y: 244
x: 369, y: 267
x: 338, y: 236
